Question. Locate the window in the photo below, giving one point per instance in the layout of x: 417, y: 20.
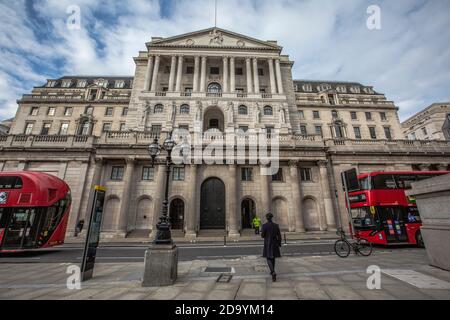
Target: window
x: 331, y: 99
x: 260, y: 72
x: 109, y: 111
x: 268, y: 111
x: 373, y: 133
x: 339, y: 131
x: 213, y: 123
x: 124, y: 111
x: 269, y: 131
x: 165, y: 89
x: 243, y: 110
x: 247, y: 174
x: 166, y: 69
x: 148, y: 173
x: 51, y: 111
x: 66, y: 83
x: 239, y: 72
x: 106, y: 127
x: 156, y: 129
x: 301, y: 114
x: 240, y: 90
x: 305, y: 174
x: 316, y: 115
x: 123, y: 126
x: 102, y: 83
x: 84, y: 128
x: 68, y: 111
x: 303, y: 130
x: 81, y: 83
x: 34, y: 111
x: 64, y: 129
x: 353, y: 115
x: 214, y: 88
x: 318, y: 130
x: 334, y: 114
x: 159, y: 108
x: 243, y: 128
x: 368, y: 116
x: 387, y: 133
x: 188, y: 91
x: 357, y: 132
x: 214, y: 70
x: 278, y: 176
x: 183, y: 127
x: 178, y: 174
x: 29, y: 128
x: 424, y: 131
x: 46, y: 128
x: 89, y: 110
x: 189, y: 70
x: 117, y: 173
x: 119, y: 84
x: 184, y: 109
x: 412, y: 136
x: 383, y: 116
x: 51, y: 83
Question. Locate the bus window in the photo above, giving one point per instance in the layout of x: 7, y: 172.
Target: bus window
x: 3, y: 221
x: 404, y: 180
x: 362, y: 217
x: 384, y: 181
x: 365, y: 183
x: 11, y: 183
x: 412, y: 215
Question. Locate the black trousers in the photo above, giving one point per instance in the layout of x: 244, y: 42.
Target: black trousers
x: 271, y: 264
x: 256, y: 230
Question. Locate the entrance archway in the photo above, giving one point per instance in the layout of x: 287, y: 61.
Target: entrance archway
x: 212, y: 208
x: 248, y: 211
x: 177, y: 214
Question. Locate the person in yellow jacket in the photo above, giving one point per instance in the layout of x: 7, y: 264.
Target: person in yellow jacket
x: 256, y: 223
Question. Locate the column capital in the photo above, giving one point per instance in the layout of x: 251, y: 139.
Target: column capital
x: 248, y: 59
x: 130, y: 160
x: 294, y: 163
x: 322, y: 163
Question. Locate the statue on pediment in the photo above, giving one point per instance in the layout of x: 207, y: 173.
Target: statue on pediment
x: 216, y: 37
x: 198, y: 115
x: 230, y: 111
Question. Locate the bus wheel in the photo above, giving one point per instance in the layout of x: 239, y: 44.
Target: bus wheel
x: 419, y: 240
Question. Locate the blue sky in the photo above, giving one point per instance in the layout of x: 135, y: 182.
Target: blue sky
x: 408, y: 59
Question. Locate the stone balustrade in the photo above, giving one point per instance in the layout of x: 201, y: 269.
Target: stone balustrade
x: 237, y: 95
x: 46, y: 141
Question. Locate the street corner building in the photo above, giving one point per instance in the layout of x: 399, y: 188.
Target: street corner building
x: 96, y: 131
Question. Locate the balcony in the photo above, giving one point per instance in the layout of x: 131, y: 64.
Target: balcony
x: 46, y: 141
x: 215, y: 95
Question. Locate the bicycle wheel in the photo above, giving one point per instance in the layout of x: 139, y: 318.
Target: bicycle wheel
x: 364, y: 247
x: 342, y: 248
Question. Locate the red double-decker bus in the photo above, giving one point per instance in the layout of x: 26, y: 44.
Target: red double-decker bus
x: 34, y: 210
x: 382, y: 213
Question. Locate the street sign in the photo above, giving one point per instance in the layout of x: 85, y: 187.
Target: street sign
x: 93, y: 234
x: 350, y: 180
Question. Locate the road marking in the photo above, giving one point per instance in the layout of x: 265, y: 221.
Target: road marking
x: 417, y: 279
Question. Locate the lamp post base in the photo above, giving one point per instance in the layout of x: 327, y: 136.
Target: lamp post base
x: 161, y: 266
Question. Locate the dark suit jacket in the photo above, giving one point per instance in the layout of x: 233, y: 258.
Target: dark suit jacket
x: 272, y: 240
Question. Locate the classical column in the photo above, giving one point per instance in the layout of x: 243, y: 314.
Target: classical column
x: 172, y: 73
x: 233, y: 209
x: 255, y: 74
x: 225, y: 74
x: 203, y: 75
x: 148, y: 74
x: 279, y: 79
x: 327, y: 201
x: 232, y: 75
x: 155, y: 73
x: 273, y: 85
x: 122, y: 219
x: 179, y: 73
x: 248, y: 72
x: 296, y: 197
x: 266, y: 201
x: 191, y: 217
x: 196, y: 73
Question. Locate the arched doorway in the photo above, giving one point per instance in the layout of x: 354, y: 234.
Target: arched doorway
x: 212, y: 208
x: 248, y: 212
x: 280, y: 212
x: 213, y: 120
x: 111, y: 212
x: 144, y: 214
x: 177, y: 214
x: 311, y: 215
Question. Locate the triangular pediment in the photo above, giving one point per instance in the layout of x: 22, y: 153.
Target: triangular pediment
x: 214, y: 37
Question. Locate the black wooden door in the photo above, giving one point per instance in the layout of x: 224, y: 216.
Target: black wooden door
x: 212, y: 214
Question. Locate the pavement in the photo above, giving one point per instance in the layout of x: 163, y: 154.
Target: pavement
x: 405, y: 274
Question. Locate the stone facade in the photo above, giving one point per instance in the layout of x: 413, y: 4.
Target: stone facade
x: 432, y: 123
x: 210, y: 83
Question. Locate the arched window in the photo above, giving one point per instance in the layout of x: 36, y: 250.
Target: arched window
x: 334, y: 114
x: 242, y: 110
x: 159, y: 108
x: 268, y: 111
x: 184, y: 109
x: 214, y: 87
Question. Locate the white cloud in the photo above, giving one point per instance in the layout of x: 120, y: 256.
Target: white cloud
x: 409, y: 59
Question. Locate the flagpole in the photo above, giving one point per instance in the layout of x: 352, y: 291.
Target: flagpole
x: 215, y: 14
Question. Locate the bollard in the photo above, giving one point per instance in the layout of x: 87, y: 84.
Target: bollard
x: 224, y: 241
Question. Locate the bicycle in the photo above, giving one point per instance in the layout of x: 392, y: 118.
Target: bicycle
x: 342, y: 246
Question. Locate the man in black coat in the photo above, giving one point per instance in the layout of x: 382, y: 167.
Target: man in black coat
x: 272, y: 243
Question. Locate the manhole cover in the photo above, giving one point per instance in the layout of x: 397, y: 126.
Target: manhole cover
x: 224, y: 278
x: 218, y: 270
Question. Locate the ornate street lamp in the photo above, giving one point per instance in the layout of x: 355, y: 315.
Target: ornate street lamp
x: 163, y: 235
